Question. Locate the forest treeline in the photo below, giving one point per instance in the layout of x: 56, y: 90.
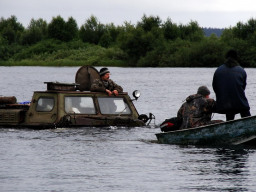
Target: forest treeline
x: 150, y: 42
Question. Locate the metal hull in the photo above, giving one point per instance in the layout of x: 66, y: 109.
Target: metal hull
x: 241, y: 131
x: 31, y: 116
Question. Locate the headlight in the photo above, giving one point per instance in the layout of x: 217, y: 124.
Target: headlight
x: 136, y: 94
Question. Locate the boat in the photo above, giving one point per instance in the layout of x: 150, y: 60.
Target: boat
x: 236, y: 132
x: 72, y: 105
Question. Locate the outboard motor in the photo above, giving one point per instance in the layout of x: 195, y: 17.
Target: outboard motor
x: 171, y: 124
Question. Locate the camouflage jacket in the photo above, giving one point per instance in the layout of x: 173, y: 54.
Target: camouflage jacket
x: 99, y: 86
x: 196, y: 111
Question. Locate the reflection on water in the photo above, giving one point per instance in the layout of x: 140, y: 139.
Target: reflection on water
x: 119, y: 159
x: 231, y: 162
x: 222, y: 169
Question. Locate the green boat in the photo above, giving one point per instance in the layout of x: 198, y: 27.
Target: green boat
x: 236, y: 132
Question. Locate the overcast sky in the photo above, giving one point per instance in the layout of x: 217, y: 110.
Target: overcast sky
x: 208, y: 13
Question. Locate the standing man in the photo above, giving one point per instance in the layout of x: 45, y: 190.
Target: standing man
x: 105, y: 84
x: 229, y: 82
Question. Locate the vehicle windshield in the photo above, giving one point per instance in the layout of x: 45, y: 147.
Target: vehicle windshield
x: 113, y: 105
x: 45, y: 104
x: 82, y: 105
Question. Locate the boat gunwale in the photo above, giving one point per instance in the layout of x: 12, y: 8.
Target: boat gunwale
x: 204, y: 126
x: 224, y: 133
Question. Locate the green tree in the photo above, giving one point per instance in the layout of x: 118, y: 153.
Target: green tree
x: 192, y: 31
x: 36, y: 31
x: 242, y: 38
x: 136, y: 43
x: 170, y: 30
x: 61, y: 30
x: 71, y: 29
x: 57, y: 28
x: 175, y: 53
x: 11, y: 29
x: 245, y: 31
x: 207, y: 53
x: 91, y: 31
x: 4, y: 49
x: 105, y: 40
x: 113, y: 31
x: 110, y: 35
x: 149, y: 23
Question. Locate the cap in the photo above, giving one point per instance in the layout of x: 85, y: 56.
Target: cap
x: 203, y: 90
x: 103, y: 71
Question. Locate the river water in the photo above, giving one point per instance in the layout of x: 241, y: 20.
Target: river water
x: 120, y: 159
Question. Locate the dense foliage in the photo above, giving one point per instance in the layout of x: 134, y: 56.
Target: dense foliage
x: 149, y: 43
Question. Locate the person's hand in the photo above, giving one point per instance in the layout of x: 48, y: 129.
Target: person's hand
x: 115, y: 92
x: 108, y: 92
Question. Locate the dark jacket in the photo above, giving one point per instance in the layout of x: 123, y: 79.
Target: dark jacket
x: 99, y: 86
x: 229, y: 83
x: 196, y: 111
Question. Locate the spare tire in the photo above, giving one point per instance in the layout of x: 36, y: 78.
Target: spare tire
x: 143, y: 117
x: 85, y: 75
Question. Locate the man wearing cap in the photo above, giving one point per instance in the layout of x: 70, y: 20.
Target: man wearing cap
x: 105, y: 84
x: 229, y: 83
x: 197, y: 110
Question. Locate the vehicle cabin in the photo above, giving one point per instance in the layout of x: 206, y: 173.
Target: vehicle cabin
x: 70, y: 105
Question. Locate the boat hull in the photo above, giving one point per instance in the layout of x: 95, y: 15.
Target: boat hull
x: 236, y: 132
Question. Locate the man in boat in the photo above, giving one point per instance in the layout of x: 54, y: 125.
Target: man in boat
x: 229, y: 82
x: 105, y: 84
x: 197, y: 110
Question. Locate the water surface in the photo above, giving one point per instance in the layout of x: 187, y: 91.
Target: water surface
x: 120, y: 159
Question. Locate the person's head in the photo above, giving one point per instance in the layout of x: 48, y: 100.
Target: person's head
x: 231, y: 54
x: 204, y: 91
x: 104, y: 74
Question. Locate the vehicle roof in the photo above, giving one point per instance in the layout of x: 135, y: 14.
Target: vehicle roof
x: 77, y: 92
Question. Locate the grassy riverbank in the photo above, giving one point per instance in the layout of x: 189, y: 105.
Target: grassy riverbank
x: 76, y: 53
x: 61, y: 62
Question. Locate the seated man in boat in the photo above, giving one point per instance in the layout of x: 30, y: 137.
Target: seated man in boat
x: 105, y: 84
x: 197, y: 110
